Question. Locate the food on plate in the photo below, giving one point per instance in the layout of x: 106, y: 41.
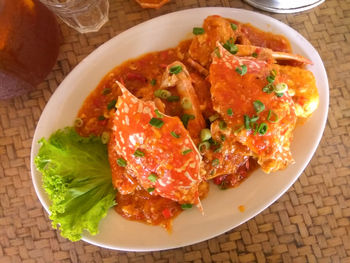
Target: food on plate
x: 152, y: 3
x: 214, y: 108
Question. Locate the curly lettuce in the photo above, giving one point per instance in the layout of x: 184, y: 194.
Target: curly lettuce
x: 77, y: 178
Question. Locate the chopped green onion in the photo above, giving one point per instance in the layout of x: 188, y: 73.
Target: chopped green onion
x: 246, y: 122
x: 274, y: 114
x: 270, y: 79
x: 258, y: 106
x: 106, y: 91
x: 213, y: 117
x: 156, y: 122
x: 217, y: 52
x: 105, y: 137
x: 279, y: 94
x: 121, y: 162
x: 233, y: 26
x: 215, y: 162
x: 203, y: 146
x: 254, y: 118
x: 255, y: 55
x: 101, y: 118
x: 139, y: 153
x: 229, y: 112
x: 162, y: 93
x: 111, y: 104
x: 222, y: 125
x: 281, y: 88
x: 262, y: 128
x: 153, y: 82
x: 152, y: 177
x: 186, y: 118
x: 174, y: 134
x: 205, y: 135
x: 151, y: 189
x: 186, y: 206
x: 230, y: 46
x: 175, y: 70
x: 273, y: 72
x: 186, y: 151
x: 159, y: 115
x: 198, y: 31
x: 186, y: 103
x: 268, y: 88
x: 242, y: 70
x: 222, y: 137
x: 78, y: 122
x: 173, y: 98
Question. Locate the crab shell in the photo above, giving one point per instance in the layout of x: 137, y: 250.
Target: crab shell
x: 170, y: 164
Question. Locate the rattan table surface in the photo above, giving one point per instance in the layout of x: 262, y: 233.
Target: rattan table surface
x: 309, y: 223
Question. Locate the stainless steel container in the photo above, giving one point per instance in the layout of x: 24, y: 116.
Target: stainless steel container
x: 284, y: 6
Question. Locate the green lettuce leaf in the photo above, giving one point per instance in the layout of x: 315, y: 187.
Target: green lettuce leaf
x: 77, y: 178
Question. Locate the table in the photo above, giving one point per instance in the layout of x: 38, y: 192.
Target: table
x: 309, y: 223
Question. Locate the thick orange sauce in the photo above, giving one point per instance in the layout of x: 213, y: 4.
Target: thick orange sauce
x: 142, y: 76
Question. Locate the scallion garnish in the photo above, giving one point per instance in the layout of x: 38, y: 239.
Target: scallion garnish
x: 139, y: 153
x: 222, y: 137
x: 213, y: 117
x: 150, y: 189
x: 217, y: 52
x: 186, y: 206
x: 274, y: 115
x: 175, y: 69
x: 153, y: 82
x: 205, y: 135
x: 269, y: 88
x: 106, y: 91
x: 270, y: 79
x: 105, y: 137
x: 158, y: 123
x: 186, y: 118
x: 186, y: 151
x: 258, y: 106
x: 229, y: 112
x: 198, y: 31
x: 242, y: 70
x: 121, y: 162
x: 222, y: 125
x: 279, y: 95
x: 159, y: 115
x: 230, y: 46
x: 173, y: 98
x: 215, y: 162
x: 162, y: 93
x: 111, y: 104
x: 255, y: 55
x: 262, y: 128
x: 78, y: 122
x: 152, y: 177
x: 174, y: 134
x: 233, y: 26
x: 281, y: 88
x: 246, y: 122
x: 203, y: 146
x: 101, y: 118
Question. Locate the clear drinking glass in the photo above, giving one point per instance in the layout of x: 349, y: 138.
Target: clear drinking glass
x: 83, y: 15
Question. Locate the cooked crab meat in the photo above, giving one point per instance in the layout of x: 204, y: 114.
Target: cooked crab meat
x: 260, y: 118
x: 302, y: 87
x: 157, y: 148
x: 216, y: 28
x: 189, y: 100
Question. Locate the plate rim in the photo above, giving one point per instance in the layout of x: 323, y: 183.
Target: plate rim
x: 89, y: 58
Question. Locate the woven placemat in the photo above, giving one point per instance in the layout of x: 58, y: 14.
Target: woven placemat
x: 309, y: 223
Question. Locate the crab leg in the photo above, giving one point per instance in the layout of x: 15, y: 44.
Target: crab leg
x: 183, y: 83
x: 266, y: 53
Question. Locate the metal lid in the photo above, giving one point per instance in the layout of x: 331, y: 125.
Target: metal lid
x: 284, y: 6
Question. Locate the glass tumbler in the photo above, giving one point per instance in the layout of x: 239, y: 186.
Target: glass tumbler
x: 83, y: 15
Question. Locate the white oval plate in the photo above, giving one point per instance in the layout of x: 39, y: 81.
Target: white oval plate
x: 220, y: 207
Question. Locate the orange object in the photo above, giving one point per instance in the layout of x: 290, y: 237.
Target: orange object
x: 29, y: 41
x: 152, y: 3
